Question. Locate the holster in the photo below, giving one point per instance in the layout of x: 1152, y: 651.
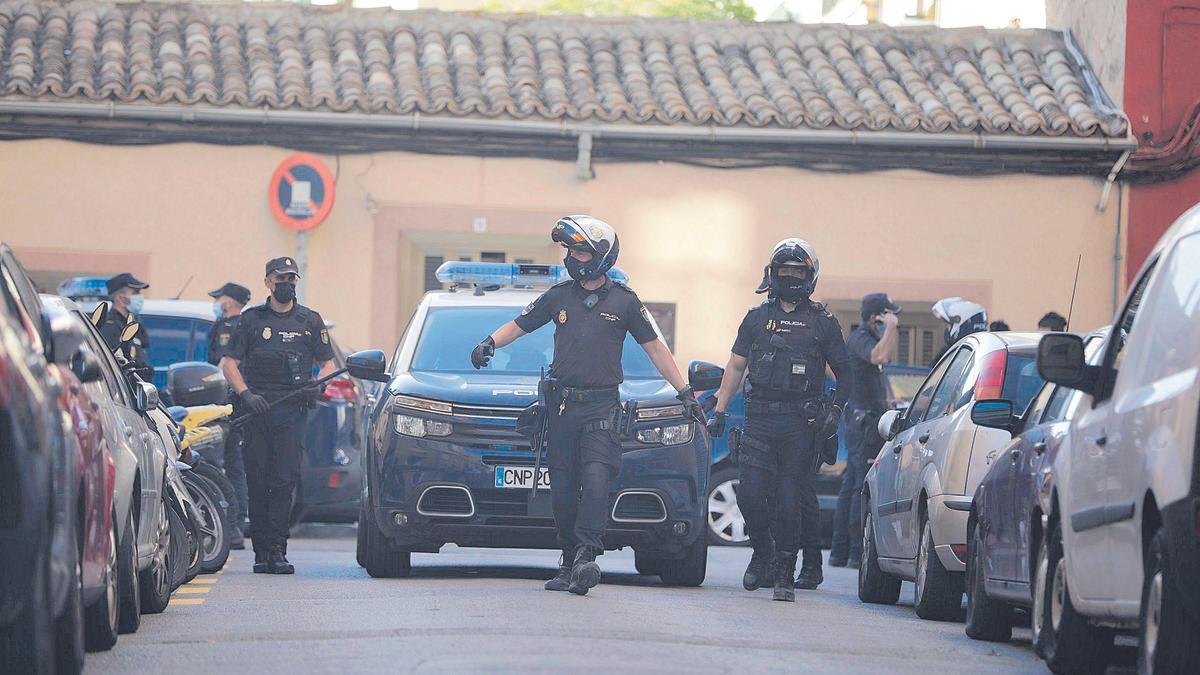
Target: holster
x: 735, y: 444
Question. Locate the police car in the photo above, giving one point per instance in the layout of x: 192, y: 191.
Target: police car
x: 445, y: 464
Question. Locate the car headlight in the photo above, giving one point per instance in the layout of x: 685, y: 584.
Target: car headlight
x: 420, y: 427
x: 663, y: 412
x: 423, y: 404
x: 675, y: 434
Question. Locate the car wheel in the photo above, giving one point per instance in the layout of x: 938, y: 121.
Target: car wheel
x: 1064, y: 638
x: 726, y: 526
x: 376, y: 554
x: 131, y: 609
x: 27, y: 644
x: 688, y: 570
x: 938, y: 591
x: 646, y: 564
x: 987, y: 619
x: 68, y: 628
x: 874, y: 585
x: 102, y: 617
x: 154, y: 582
x: 1167, y: 634
x: 211, y: 521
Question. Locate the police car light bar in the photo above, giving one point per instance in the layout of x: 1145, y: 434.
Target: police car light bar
x: 509, y: 274
x: 78, y: 288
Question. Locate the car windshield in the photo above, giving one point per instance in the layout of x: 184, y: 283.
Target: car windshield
x: 450, y: 333
x: 1021, y: 380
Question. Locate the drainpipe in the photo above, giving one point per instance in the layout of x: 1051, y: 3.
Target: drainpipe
x: 1101, y: 206
x: 415, y: 121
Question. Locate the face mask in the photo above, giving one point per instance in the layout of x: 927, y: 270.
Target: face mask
x: 285, y: 291
x: 218, y: 311
x: 790, y: 289
x: 880, y: 328
x: 576, y: 268
x: 135, y: 304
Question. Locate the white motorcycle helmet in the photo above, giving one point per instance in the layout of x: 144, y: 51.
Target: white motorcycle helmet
x: 962, y: 317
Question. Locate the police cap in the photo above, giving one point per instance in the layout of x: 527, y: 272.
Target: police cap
x: 124, y: 280
x: 877, y: 303
x: 239, y: 293
x: 283, y: 265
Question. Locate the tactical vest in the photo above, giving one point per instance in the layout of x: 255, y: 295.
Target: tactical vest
x: 786, y: 359
x: 279, y: 356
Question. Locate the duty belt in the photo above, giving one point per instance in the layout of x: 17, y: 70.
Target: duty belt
x: 775, y: 407
x: 586, y: 394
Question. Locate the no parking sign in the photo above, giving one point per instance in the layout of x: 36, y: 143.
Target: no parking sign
x: 301, y: 192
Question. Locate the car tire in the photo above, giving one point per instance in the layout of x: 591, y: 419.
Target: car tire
x: 179, y: 557
x: 725, y: 525
x: 131, y: 602
x: 689, y: 570
x: 154, y: 582
x: 938, y: 592
x: 68, y: 628
x: 213, y: 522
x: 27, y: 644
x: 1064, y: 638
x: 375, y: 552
x: 874, y: 585
x: 987, y: 619
x: 1166, y: 632
x: 101, y: 619
x: 646, y: 564
x: 216, y: 476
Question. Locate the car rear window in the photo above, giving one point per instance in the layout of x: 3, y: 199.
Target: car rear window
x: 1021, y: 380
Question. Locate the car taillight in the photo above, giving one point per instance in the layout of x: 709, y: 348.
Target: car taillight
x: 960, y: 551
x: 340, y: 390
x: 990, y: 383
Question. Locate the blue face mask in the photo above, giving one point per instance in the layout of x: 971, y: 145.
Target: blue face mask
x: 218, y: 311
x: 135, y: 304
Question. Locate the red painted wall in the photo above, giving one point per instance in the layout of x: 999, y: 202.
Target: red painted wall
x: 1162, y: 83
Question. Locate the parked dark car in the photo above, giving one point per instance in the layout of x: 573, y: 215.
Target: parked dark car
x: 726, y: 527
x: 1004, y: 528
x: 331, y: 474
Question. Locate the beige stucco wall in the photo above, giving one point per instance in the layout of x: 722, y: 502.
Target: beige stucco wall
x: 696, y: 237
x: 1099, y: 29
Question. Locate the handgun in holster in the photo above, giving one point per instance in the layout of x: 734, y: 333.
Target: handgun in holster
x: 628, y: 416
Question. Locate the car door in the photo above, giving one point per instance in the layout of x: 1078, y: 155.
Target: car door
x: 933, y: 438
x: 1016, y: 461
x: 890, y: 506
x: 1089, y: 508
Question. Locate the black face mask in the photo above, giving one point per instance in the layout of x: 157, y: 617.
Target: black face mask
x: 790, y: 289
x: 575, y: 268
x: 284, y: 292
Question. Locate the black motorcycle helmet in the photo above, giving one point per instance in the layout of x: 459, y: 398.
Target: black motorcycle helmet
x: 791, y: 252
x: 589, y: 234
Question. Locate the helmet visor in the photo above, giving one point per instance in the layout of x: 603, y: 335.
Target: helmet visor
x: 569, y: 235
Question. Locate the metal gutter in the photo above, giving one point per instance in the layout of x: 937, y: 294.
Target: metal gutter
x: 416, y: 121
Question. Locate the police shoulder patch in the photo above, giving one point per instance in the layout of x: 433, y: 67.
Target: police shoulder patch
x: 645, y: 314
x: 325, y: 336
x: 562, y: 316
x: 223, y: 339
x: 528, y: 308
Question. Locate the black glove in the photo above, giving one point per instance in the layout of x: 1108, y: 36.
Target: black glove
x: 691, y: 407
x: 716, y: 425
x: 255, y: 402
x: 483, y: 352
x: 312, y: 393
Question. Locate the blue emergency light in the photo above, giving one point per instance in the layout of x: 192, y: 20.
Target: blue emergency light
x: 509, y: 274
x: 81, y: 288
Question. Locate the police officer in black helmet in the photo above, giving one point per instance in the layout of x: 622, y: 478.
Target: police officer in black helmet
x: 591, y: 315
x: 272, y: 354
x: 785, y: 343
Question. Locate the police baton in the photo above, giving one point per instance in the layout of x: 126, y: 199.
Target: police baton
x: 238, y: 421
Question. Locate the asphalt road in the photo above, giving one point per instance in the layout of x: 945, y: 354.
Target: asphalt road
x: 469, y: 610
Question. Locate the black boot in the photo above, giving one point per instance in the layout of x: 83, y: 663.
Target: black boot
x: 758, y: 572
x: 811, y: 575
x: 562, y: 580
x: 260, y: 561
x: 277, y: 562
x: 785, y: 566
x: 585, y: 573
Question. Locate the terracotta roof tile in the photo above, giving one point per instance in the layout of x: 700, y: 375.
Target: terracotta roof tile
x: 642, y: 71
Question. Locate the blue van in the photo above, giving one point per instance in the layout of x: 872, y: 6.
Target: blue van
x: 444, y: 463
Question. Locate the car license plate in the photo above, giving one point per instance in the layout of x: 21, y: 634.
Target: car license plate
x: 521, y: 477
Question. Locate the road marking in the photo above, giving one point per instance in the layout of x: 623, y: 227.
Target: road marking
x: 187, y: 601
x: 193, y: 590
x: 203, y: 580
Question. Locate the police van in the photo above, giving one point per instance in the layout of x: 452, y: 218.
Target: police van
x: 445, y: 464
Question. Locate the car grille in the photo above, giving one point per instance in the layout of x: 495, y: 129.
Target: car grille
x: 508, y: 413
x: 639, y: 507
x: 502, y: 502
x: 446, y: 500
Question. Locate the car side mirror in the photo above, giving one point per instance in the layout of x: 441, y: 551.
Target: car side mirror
x: 993, y: 414
x: 370, y: 365
x: 130, y: 331
x: 145, y: 397
x: 66, y: 336
x: 1061, y: 359
x: 100, y: 313
x: 703, y: 375
x: 887, y: 424
x: 86, y: 366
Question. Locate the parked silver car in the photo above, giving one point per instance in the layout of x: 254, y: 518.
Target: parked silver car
x: 918, y: 493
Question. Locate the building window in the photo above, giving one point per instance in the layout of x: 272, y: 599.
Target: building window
x: 432, y: 262
x: 664, y: 316
x: 492, y: 256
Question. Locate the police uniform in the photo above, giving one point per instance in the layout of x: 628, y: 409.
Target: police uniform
x: 221, y: 334
x: 277, y: 353
x: 584, y: 453
x: 114, y: 323
x: 787, y: 353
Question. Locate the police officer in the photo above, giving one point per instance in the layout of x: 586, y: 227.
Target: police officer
x: 591, y: 315
x: 125, y: 294
x: 870, y: 347
x: 272, y: 353
x: 228, y: 302
x: 785, y: 343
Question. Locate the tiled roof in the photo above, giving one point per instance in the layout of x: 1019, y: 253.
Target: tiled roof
x: 639, y: 71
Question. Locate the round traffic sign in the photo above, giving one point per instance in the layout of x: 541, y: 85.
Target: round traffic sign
x: 301, y: 192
